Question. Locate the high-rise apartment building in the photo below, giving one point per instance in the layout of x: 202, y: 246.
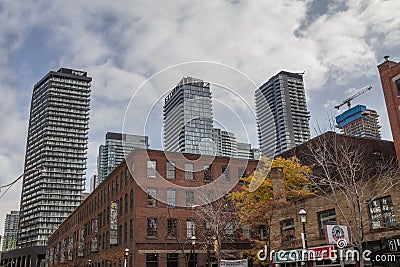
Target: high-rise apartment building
x: 57, y: 142
x: 245, y: 151
x: 359, y: 121
x: 117, y: 146
x: 10, y: 230
x: 389, y: 72
x: 188, y: 119
x: 225, y: 143
x: 282, y: 115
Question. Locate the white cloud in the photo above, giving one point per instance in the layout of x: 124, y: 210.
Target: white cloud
x: 121, y: 44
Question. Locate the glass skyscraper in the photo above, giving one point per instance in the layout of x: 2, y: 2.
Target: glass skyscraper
x: 282, y: 115
x: 188, y: 119
x: 113, y: 152
x: 57, y: 142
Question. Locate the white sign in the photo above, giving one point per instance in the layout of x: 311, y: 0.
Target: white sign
x: 235, y: 263
x: 334, y: 233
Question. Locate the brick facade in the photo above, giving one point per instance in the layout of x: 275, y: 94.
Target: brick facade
x: 135, y: 211
x: 389, y: 72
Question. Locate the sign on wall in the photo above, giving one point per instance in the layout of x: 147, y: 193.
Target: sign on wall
x: 114, y: 223
x: 334, y: 233
x: 94, y: 245
x: 70, y: 247
x: 234, y: 263
x: 81, y: 242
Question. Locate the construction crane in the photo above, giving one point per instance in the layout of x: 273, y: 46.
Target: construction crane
x: 347, y: 101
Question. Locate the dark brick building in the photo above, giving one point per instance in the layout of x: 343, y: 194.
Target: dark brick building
x: 389, y: 72
x: 148, y: 204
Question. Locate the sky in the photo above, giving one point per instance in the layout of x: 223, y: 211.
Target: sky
x: 136, y: 51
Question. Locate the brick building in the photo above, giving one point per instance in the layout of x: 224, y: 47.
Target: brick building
x: 379, y: 204
x: 154, y: 214
x: 389, y: 72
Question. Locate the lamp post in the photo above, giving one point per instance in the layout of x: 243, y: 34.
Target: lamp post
x: 191, y: 256
x: 90, y: 263
x: 126, y: 257
x: 303, y: 220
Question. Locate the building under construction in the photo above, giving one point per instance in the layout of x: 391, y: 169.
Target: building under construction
x: 359, y: 121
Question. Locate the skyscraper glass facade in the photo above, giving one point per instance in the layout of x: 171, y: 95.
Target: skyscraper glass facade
x: 57, y: 143
x: 282, y: 115
x: 188, y: 119
x: 117, y: 146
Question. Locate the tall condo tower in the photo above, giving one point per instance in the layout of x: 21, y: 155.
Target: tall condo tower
x: 113, y: 152
x: 283, y: 96
x: 57, y: 142
x: 188, y: 119
x: 225, y: 143
x: 10, y: 230
x: 359, y: 121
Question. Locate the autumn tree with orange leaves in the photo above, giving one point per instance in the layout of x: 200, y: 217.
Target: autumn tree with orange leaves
x: 256, y: 205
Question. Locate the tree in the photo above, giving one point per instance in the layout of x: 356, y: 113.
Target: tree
x: 220, y: 222
x: 352, y: 173
x: 256, y: 207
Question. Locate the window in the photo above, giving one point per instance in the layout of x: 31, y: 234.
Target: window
x: 126, y: 203
x: 326, y: 217
x: 172, y: 224
x: 125, y: 233
x: 172, y: 260
x: 287, y: 230
x: 207, y: 173
x: 190, y: 228
x: 382, y: 213
x: 152, y: 227
x: 151, y: 169
x: 192, y: 259
x: 116, y: 184
x: 131, y: 229
x: 241, y: 174
x: 246, y: 232
x: 170, y: 170
x: 171, y: 198
x: 226, y: 174
x: 262, y: 229
x: 189, y: 198
x: 398, y: 86
x: 120, y: 234
x: 189, y: 171
x: 152, y: 260
x: 151, y: 197
x: 126, y: 175
x: 229, y: 230
x: 131, y: 199
x: 121, y: 209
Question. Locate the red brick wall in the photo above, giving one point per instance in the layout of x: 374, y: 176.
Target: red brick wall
x: 388, y: 70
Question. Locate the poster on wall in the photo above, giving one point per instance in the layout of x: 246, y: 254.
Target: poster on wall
x: 336, y: 233
x: 81, y: 242
x: 62, y: 251
x: 114, y: 223
x: 70, y: 247
x: 93, y: 243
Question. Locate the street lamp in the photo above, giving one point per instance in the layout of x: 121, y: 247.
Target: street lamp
x: 90, y: 262
x: 303, y: 220
x: 191, y: 256
x: 126, y: 257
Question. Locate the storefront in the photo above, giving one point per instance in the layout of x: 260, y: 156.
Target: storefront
x: 315, y: 256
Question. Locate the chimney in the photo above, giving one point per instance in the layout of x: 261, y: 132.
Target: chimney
x: 386, y: 58
x: 278, y: 184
